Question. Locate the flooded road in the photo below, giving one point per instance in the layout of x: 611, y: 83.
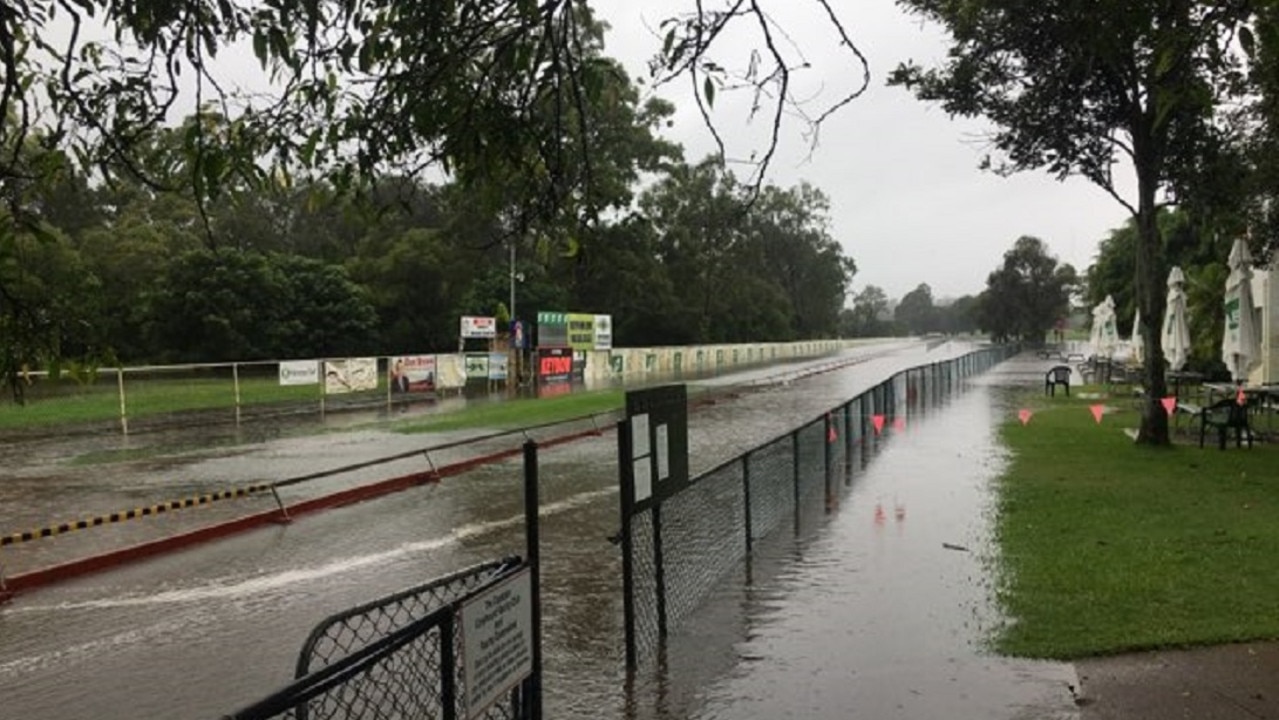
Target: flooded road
x: 827, y: 617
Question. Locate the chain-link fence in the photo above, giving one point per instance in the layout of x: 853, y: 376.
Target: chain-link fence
x: 396, y: 657
x: 678, y: 546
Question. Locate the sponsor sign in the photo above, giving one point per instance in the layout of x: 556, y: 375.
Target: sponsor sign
x: 603, y: 332
x: 552, y: 329
x: 554, y: 364
x: 477, y: 366
x: 412, y: 374
x: 300, y: 372
x: 498, y: 366
x: 479, y: 327
x: 581, y: 331
x: 350, y: 375
x: 518, y: 339
x: 497, y: 641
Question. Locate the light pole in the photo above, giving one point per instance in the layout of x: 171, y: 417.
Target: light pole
x: 512, y: 306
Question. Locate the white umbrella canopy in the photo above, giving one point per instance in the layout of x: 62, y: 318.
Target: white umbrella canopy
x: 1241, y: 342
x: 1176, y: 330
x: 1104, y: 334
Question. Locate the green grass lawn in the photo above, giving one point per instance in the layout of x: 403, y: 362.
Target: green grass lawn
x: 520, y: 412
x: 1108, y: 547
x: 101, y: 401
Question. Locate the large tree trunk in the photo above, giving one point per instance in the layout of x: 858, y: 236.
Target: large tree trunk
x: 1150, y: 294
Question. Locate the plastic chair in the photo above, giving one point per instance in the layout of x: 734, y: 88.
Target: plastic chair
x: 1059, y: 375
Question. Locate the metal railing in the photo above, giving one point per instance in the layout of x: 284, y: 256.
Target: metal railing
x: 675, y: 550
x: 407, y: 655
x: 384, y: 660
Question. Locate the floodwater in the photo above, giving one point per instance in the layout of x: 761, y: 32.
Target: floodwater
x: 866, y: 615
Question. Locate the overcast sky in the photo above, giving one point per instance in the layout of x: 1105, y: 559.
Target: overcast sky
x: 907, y: 200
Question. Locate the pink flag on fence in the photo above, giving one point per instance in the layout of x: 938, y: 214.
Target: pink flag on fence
x: 831, y: 436
x: 878, y: 422
x: 1170, y: 404
x: 1097, y: 411
x: 900, y: 424
x: 1024, y: 416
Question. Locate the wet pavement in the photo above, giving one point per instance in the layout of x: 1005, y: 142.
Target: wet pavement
x: 866, y: 615
x: 883, y: 612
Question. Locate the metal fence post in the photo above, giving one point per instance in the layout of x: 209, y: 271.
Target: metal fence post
x: 235, y: 380
x: 746, y: 498
x: 124, y: 415
x: 848, y: 442
x: 533, y: 554
x: 795, y: 475
x: 448, y: 668
x: 829, y: 458
x: 626, y: 480
x: 659, y: 570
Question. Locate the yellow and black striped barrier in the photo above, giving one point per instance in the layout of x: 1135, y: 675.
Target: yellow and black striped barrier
x: 115, y: 517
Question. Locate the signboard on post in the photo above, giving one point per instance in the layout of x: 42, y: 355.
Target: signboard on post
x: 552, y: 329
x: 497, y: 641
x: 554, y: 365
x: 499, y: 364
x: 581, y: 331
x: 658, y: 419
x: 477, y: 366
x: 478, y: 327
x: 603, y: 332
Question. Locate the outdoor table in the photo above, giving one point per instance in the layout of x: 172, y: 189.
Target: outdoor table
x: 1180, y: 377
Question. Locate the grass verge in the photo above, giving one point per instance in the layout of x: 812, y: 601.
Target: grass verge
x: 1108, y: 547
x: 519, y: 412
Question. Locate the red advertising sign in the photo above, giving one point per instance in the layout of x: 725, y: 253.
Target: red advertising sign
x: 554, y: 364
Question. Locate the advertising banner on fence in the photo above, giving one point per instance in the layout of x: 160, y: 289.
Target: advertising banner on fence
x: 554, y: 365
x: 479, y: 327
x: 477, y: 366
x: 350, y: 375
x: 450, y: 371
x: 603, y: 332
x: 498, y: 366
x: 552, y: 329
x: 581, y: 331
x: 300, y: 372
x: 413, y: 374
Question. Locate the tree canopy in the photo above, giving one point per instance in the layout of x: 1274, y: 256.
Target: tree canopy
x: 382, y: 164
x: 1027, y: 294
x: 1074, y: 88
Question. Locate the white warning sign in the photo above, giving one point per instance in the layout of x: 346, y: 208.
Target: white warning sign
x: 497, y: 641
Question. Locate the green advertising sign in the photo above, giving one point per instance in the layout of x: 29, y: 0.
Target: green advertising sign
x: 581, y: 331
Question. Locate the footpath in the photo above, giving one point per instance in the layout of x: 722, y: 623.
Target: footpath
x: 1226, y: 682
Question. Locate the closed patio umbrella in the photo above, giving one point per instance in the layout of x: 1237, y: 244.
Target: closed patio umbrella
x: 1241, y: 343
x: 1176, y: 330
x: 1104, y: 334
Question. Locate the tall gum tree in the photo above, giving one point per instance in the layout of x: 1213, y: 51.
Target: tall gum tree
x: 1075, y: 87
